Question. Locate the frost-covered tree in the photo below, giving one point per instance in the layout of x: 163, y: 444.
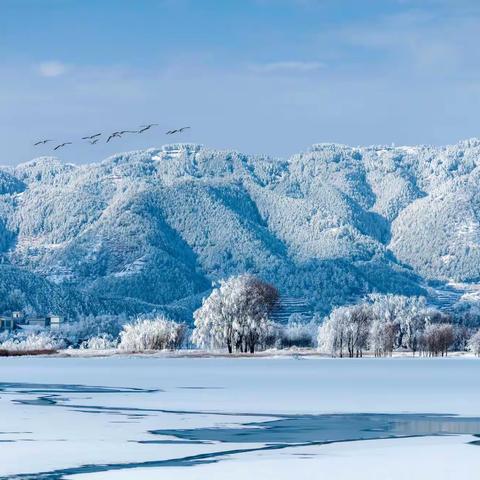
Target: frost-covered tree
x: 385, y: 323
x: 151, y: 334
x: 332, y: 334
x: 382, y: 336
x: 359, y: 324
x: 403, y: 314
x: 345, y: 330
x: 235, y: 315
x: 438, y: 338
x: 474, y: 344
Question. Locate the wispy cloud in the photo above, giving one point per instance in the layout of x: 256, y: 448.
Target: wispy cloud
x: 288, y: 67
x: 52, y: 69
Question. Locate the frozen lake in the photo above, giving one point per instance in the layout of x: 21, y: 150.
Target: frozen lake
x: 195, y: 418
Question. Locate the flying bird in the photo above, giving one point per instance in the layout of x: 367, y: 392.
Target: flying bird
x: 62, y: 145
x: 119, y: 134
x: 42, y: 142
x: 143, y: 128
x: 90, y: 137
x: 113, y: 135
x: 177, y: 130
x: 93, y: 142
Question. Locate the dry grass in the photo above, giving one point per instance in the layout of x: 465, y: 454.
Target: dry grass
x: 22, y: 353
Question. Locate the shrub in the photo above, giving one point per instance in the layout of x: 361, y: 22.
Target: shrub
x: 101, y: 342
x: 33, y: 341
x: 152, y: 334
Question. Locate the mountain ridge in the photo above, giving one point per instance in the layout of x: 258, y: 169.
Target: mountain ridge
x: 143, y: 230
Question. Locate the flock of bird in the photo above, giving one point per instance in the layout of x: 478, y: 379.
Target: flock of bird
x: 93, y: 139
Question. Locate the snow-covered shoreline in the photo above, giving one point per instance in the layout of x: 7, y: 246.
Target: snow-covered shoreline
x: 198, y: 353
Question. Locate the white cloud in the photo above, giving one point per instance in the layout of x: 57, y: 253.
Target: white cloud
x: 52, y: 69
x: 288, y: 66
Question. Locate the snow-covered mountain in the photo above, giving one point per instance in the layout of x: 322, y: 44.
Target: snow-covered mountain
x: 154, y: 228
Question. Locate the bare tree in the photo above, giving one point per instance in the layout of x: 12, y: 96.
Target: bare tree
x: 438, y: 338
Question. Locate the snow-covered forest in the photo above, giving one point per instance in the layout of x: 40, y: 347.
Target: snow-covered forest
x: 149, y: 231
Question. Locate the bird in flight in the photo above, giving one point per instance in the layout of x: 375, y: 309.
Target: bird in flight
x: 90, y: 137
x: 113, y: 135
x: 93, y: 142
x: 119, y: 134
x: 177, y: 130
x: 143, y: 128
x: 62, y: 145
x: 42, y: 142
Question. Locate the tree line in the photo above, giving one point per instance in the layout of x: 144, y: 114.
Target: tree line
x: 237, y: 317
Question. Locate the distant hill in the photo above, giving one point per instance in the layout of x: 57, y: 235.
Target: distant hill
x: 152, y: 229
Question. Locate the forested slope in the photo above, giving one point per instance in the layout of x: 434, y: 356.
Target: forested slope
x: 149, y: 228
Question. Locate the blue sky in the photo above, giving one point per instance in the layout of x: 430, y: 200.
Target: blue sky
x: 260, y: 76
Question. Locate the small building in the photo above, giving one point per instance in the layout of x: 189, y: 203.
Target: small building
x: 42, y: 322
x: 55, y: 321
x: 19, y: 320
x: 7, y: 323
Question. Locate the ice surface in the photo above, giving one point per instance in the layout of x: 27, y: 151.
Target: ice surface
x: 61, y: 414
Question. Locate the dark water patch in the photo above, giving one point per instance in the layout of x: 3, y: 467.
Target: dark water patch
x: 48, y: 395
x: 52, y: 397
x: 43, y: 401
x: 339, y: 427
x: 171, y: 442
x: 16, y: 440
x: 20, y: 387
x: 285, y: 432
x: 475, y: 442
x: 106, y: 410
x: 188, y: 461
x: 270, y: 431
x: 111, y: 410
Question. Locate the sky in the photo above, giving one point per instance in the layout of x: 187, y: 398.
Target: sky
x: 257, y: 76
